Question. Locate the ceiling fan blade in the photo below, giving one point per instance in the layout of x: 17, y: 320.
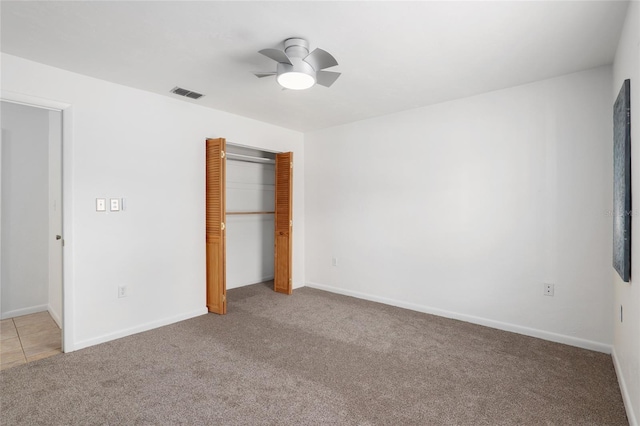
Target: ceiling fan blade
x: 320, y: 59
x: 277, y: 55
x: 326, y: 78
x: 264, y: 74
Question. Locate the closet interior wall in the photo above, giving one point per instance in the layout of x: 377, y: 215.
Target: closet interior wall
x: 250, y: 189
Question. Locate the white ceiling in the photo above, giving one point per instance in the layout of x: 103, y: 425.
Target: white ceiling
x: 393, y: 55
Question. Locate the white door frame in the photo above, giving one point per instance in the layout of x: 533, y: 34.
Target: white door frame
x: 68, y: 329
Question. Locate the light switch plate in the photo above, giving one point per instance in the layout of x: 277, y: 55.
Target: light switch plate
x: 115, y: 204
x: 101, y: 204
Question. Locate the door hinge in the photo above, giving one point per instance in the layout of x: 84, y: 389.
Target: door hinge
x: 222, y: 226
x: 290, y: 222
x: 221, y: 154
x: 224, y: 298
x: 291, y: 165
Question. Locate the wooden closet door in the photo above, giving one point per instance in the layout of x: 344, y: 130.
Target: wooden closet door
x: 283, y: 223
x: 215, y: 227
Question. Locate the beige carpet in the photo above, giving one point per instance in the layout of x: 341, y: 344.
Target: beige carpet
x: 316, y: 358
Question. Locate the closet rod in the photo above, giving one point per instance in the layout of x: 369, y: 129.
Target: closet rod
x: 250, y: 159
x: 250, y: 212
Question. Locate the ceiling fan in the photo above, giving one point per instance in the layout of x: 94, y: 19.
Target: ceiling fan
x: 297, y: 68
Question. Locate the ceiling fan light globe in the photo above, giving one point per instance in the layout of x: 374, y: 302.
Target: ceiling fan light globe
x: 296, y: 80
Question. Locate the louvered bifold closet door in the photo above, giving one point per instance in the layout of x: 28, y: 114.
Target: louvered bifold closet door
x: 283, y: 223
x: 215, y: 227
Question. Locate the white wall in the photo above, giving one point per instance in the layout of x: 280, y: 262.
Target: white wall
x: 626, y: 342
x: 25, y: 219
x: 148, y: 149
x: 250, y: 187
x: 466, y: 208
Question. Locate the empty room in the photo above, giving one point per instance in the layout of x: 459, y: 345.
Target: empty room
x: 319, y: 212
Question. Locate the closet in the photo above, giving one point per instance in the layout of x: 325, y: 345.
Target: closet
x: 249, y: 219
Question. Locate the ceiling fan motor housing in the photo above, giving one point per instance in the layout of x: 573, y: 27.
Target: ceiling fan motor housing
x: 296, y: 49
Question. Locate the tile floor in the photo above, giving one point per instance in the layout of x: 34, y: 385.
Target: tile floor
x: 28, y: 338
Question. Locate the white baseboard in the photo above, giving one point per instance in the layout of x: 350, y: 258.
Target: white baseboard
x: 24, y: 311
x: 138, y: 329
x: 55, y: 315
x: 626, y: 398
x: 244, y: 284
x: 514, y: 328
x: 261, y: 280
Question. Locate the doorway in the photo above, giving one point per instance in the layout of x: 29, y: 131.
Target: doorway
x: 31, y: 233
x: 258, y: 204
x: 250, y: 211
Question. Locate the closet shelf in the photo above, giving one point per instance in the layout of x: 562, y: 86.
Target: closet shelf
x: 250, y: 213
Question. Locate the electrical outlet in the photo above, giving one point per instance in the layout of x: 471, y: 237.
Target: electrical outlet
x: 334, y: 261
x: 101, y: 204
x: 115, y: 204
x: 548, y: 289
x: 122, y: 291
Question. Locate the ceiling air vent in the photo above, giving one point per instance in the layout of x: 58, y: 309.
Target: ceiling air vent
x: 188, y: 93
